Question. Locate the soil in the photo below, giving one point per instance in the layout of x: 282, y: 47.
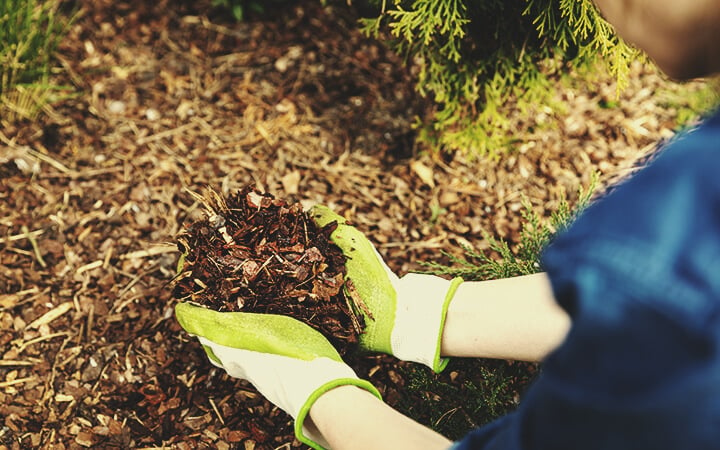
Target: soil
x: 173, y: 97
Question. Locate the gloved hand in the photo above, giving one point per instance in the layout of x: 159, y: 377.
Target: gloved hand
x: 404, y: 316
x: 286, y: 360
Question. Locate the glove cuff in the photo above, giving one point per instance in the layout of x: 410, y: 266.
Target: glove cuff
x: 422, y: 304
x: 301, y: 432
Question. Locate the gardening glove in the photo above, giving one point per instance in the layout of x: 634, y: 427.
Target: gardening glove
x: 404, y: 316
x: 286, y: 360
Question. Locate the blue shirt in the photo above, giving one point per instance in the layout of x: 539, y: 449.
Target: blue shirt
x: 639, y: 274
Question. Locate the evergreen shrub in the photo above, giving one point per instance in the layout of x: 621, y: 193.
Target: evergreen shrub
x: 475, y: 57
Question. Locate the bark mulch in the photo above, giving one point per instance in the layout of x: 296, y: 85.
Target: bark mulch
x: 173, y: 97
x: 256, y: 253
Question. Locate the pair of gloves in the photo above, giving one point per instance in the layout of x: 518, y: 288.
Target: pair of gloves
x: 292, y: 364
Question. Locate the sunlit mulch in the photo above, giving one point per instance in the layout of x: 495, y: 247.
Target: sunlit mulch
x: 173, y: 98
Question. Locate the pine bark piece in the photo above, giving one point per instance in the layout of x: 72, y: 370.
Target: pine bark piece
x: 256, y: 253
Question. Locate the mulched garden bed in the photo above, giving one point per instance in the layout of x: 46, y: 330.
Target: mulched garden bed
x: 173, y: 97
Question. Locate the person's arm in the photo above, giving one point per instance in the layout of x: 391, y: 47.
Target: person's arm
x: 351, y: 418
x: 512, y: 318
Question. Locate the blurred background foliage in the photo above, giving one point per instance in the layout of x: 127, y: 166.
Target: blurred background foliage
x: 30, y: 32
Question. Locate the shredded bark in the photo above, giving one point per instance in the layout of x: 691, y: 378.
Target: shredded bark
x: 256, y: 253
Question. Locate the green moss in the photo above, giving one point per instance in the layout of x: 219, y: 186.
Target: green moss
x: 239, y: 8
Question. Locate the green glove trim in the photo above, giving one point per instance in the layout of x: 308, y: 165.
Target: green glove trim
x: 439, y: 363
x: 305, y: 410
x: 369, y: 277
x: 211, y: 355
x: 265, y: 333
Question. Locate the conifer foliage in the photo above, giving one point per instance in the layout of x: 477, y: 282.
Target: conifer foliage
x: 502, y: 261
x: 474, y: 56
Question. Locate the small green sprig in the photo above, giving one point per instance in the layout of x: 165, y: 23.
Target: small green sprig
x: 474, y: 58
x: 501, y: 261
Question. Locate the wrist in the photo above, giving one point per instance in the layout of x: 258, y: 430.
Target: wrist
x: 344, y: 401
x: 351, y: 418
x: 316, y: 413
x: 422, y: 307
x: 325, y: 406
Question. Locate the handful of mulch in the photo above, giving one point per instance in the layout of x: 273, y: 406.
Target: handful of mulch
x: 255, y: 253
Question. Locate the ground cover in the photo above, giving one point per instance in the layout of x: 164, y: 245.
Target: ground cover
x: 173, y: 97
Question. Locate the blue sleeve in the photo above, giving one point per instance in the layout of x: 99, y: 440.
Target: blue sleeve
x: 639, y: 274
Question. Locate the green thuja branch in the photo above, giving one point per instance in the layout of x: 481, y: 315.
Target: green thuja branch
x: 501, y: 261
x: 473, y: 58
x: 488, y: 389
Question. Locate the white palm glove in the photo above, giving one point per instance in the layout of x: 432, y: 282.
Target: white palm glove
x: 286, y: 360
x: 404, y: 316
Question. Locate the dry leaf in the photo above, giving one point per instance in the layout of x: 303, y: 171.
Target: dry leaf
x: 424, y: 172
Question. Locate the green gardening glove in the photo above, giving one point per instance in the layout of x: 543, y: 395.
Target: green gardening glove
x: 404, y: 316
x: 287, y: 361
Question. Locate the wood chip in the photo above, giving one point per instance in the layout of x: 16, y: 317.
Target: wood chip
x: 51, y: 315
x: 425, y: 173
